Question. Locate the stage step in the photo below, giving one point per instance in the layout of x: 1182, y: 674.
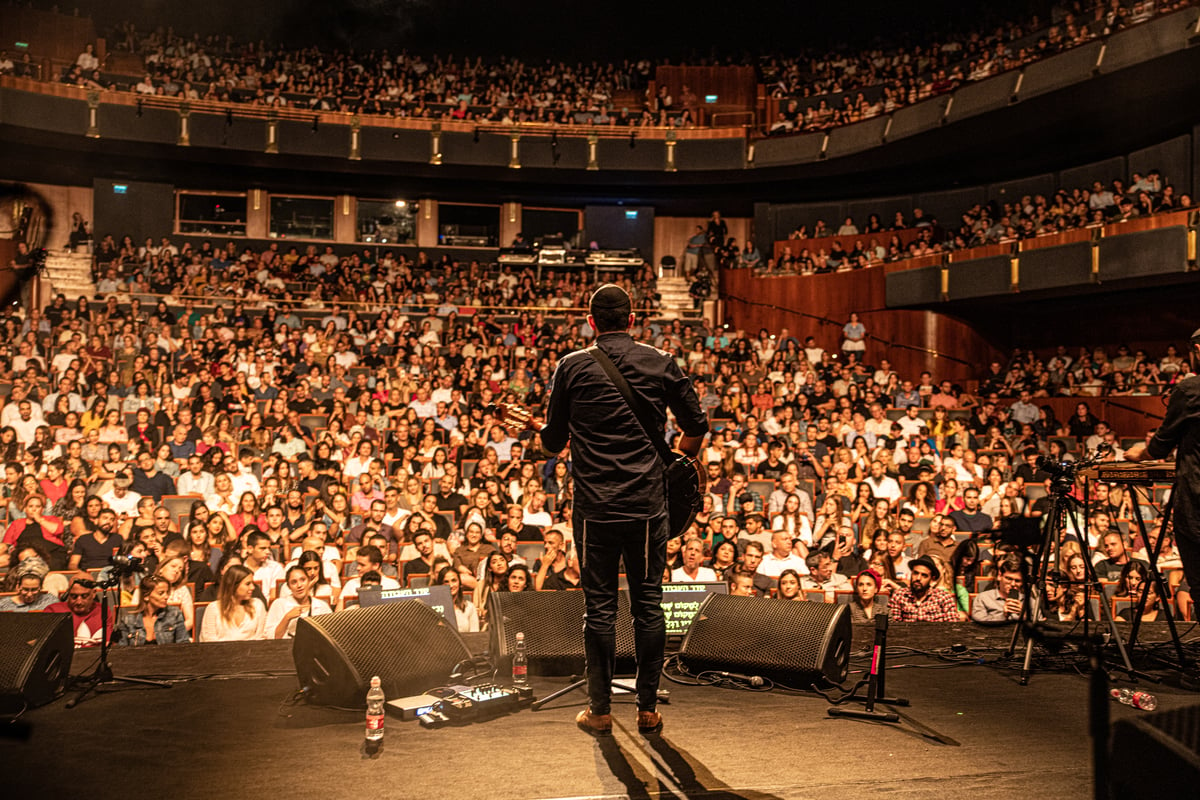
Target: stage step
x: 70, y: 273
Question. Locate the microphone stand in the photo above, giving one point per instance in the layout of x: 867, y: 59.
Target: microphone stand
x: 103, y: 673
x: 876, y: 689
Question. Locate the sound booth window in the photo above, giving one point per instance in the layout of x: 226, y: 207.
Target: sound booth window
x: 301, y: 217
x: 540, y: 223
x: 386, y: 221
x: 209, y: 213
x: 465, y: 225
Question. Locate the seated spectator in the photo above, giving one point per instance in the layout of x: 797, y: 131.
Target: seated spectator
x: 298, y: 601
x: 29, y: 596
x: 237, y: 615
x: 1110, y: 562
x: 155, y: 621
x: 741, y: 583
x: 368, y: 558
x: 971, y: 517
x: 867, y: 601
x: 1134, y: 577
x: 781, y: 557
x: 518, y: 579
x: 464, y: 610
x: 940, y: 540
x: 1003, y: 602
x: 692, y: 569
x: 788, y: 586
x: 922, y: 600
x: 83, y: 604
x: 821, y: 576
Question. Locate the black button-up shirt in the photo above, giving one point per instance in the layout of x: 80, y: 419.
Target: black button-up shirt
x: 1180, y: 431
x: 618, y: 472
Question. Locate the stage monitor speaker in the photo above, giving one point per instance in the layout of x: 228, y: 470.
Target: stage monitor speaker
x: 553, y: 626
x: 35, y: 657
x: 794, y: 643
x: 1151, y: 752
x: 407, y: 644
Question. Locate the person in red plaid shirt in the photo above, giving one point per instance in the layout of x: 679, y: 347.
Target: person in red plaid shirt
x: 922, y: 600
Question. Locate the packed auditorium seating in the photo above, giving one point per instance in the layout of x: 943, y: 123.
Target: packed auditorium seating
x: 817, y: 90
x: 280, y: 409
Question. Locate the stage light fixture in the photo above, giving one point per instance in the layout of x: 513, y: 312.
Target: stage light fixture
x: 139, y: 108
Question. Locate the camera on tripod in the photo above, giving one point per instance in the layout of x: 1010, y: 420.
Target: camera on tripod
x: 1062, y: 473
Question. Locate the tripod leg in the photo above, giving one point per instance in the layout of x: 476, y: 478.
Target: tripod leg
x: 537, y: 704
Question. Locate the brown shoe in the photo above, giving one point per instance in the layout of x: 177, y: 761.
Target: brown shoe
x: 595, y: 724
x: 649, y: 723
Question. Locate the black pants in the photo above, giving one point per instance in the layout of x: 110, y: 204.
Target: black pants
x: 643, y: 544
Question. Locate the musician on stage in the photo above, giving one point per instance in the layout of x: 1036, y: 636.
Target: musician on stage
x: 620, y: 504
x: 1180, y: 431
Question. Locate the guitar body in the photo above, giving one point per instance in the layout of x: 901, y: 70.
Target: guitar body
x: 686, y: 482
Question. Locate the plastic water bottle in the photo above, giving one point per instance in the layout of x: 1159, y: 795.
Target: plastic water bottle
x: 1140, y: 700
x: 375, y: 711
x: 520, y: 663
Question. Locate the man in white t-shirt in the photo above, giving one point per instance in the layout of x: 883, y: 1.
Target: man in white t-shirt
x: 692, y: 571
x: 883, y: 485
x: 781, y: 557
x: 368, y: 558
x: 267, y: 571
x: 119, y: 498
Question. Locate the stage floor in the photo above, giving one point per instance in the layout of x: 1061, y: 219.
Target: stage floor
x: 972, y: 731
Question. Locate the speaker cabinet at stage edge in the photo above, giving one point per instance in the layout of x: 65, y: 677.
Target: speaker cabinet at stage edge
x: 796, y: 643
x: 1152, y: 754
x: 407, y: 644
x: 35, y: 657
x: 553, y: 626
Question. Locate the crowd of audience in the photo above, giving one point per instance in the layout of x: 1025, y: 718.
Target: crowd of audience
x: 877, y: 241
x: 820, y: 89
x: 825, y: 90
x: 271, y: 459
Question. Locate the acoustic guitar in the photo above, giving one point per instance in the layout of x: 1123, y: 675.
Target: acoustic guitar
x: 686, y: 479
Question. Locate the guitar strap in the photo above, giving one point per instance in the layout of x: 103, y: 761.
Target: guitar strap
x: 636, y: 404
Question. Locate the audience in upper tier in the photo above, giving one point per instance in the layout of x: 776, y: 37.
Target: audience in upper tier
x: 818, y: 88
x: 310, y: 426
x: 877, y: 241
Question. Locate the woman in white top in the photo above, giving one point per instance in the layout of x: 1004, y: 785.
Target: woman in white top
x: 464, y: 610
x: 295, y: 603
x: 237, y: 615
x: 793, y: 521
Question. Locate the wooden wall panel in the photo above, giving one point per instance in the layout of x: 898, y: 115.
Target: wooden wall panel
x: 671, y: 234
x: 736, y: 88
x: 63, y: 202
x: 1128, y: 416
x: 818, y: 305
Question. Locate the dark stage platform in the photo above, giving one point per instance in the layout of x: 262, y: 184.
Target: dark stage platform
x: 972, y: 731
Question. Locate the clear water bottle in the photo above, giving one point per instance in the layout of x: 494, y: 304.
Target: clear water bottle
x: 520, y: 663
x: 1140, y: 700
x: 375, y: 711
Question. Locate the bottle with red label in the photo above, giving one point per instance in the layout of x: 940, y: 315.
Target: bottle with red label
x: 520, y: 663
x: 375, y: 713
